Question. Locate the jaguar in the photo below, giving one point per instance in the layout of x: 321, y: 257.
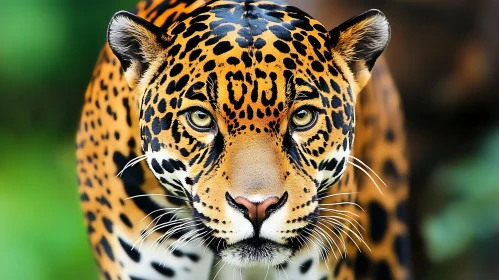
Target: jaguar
x: 242, y: 139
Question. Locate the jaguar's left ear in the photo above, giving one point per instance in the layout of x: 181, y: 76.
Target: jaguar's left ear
x: 360, y: 41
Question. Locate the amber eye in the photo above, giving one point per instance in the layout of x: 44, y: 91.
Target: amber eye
x: 303, y: 118
x: 200, y: 119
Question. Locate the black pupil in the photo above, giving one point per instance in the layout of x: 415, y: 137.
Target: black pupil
x: 302, y: 114
x: 201, y: 115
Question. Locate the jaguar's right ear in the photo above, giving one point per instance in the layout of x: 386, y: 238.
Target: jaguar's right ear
x: 136, y: 43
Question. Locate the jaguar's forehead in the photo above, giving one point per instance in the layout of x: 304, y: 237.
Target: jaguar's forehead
x: 250, y: 20
x: 228, y: 26
x: 257, y: 52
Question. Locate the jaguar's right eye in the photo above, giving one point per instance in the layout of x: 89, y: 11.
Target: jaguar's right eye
x: 303, y: 119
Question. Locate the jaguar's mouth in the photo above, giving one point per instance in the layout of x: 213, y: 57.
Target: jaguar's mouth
x: 256, y: 252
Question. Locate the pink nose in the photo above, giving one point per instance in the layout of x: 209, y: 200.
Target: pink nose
x: 257, y: 211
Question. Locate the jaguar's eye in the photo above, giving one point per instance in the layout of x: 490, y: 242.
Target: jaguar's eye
x: 200, y: 120
x: 303, y: 118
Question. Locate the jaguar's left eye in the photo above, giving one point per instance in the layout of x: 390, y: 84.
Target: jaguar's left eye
x: 200, y: 120
x: 304, y: 118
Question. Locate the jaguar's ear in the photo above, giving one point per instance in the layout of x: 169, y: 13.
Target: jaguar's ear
x: 360, y: 41
x: 136, y: 43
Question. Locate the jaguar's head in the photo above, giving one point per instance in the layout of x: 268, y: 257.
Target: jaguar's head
x: 247, y: 109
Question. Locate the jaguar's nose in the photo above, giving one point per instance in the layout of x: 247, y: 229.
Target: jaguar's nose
x: 257, y: 212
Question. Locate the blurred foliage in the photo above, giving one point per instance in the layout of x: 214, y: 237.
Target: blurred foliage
x: 473, y: 214
x: 45, y: 237
x: 48, y: 50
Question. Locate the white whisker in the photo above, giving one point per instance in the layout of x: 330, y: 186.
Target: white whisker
x: 328, y: 238
x: 219, y: 271
x: 367, y: 166
x: 369, y: 175
x: 343, y: 203
x: 164, y: 209
x: 337, y: 194
x: 349, y: 221
x: 267, y: 273
x: 340, y: 238
x: 217, y: 263
x: 179, y: 226
x: 283, y: 270
x: 131, y: 163
x: 338, y: 211
x: 317, y: 245
x: 212, y: 238
x: 360, y: 238
x: 156, y: 220
x: 156, y: 194
x: 175, y: 224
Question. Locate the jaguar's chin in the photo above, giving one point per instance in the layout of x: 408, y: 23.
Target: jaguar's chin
x: 251, y: 252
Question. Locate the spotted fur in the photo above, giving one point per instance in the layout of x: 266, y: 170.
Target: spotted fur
x: 176, y: 209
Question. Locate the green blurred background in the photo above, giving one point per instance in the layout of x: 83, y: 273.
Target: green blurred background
x: 445, y: 59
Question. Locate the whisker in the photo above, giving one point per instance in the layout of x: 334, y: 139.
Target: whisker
x: 304, y: 242
x: 156, y: 194
x: 195, y: 238
x: 209, y: 80
x: 334, y: 233
x: 337, y: 194
x: 267, y: 274
x: 208, y: 243
x: 217, y: 262
x: 204, y: 240
x: 219, y: 271
x: 211, y: 88
x: 285, y: 273
x: 349, y: 221
x: 162, y: 225
x: 367, y: 166
x: 343, y: 203
x: 360, y: 238
x: 179, y: 226
x: 344, y: 216
x: 164, y: 209
x: 312, y: 233
x: 369, y: 175
x: 287, y: 90
x: 348, y: 235
x: 159, y: 244
x: 131, y: 163
x: 218, y: 244
x: 338, y: 211
x: 339, y: 237
x: 334, y: 218
x: 156, y: 220
x: 328, y: 238
x: 184, y: 238
x: 148, y: 233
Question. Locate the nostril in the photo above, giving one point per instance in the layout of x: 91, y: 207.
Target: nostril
x: 276, y: 206
x: 232, y: 202
x: 257, y: 212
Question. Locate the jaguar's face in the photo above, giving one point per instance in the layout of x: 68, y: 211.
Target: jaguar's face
x: 248, y: 111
